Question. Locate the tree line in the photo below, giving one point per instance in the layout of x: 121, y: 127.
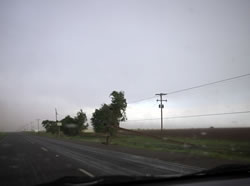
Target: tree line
x: 105, y: 120
x: 70, y: 125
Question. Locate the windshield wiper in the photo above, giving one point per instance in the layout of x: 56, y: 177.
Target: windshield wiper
x: 229, y: 170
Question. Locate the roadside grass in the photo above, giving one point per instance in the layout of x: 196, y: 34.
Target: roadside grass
x: 225, y: 149
x: 222, y: 149
x: 2, y: 134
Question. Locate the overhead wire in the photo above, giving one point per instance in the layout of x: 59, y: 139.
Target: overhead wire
x: 193, y: 116
x: 194, y: 87
x: 207, y: 84
x: 190, y: 88
x: 140, y: 100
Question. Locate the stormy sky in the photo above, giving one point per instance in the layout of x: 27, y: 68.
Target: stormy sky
x: 73, y: 54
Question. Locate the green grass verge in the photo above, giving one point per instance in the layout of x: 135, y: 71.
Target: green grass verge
x: 2, y: 134
x: 223, y: 149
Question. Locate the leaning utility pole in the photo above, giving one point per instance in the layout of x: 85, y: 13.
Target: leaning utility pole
x: 161, y: 106
x: 56, y: 114
x: 57, y: 123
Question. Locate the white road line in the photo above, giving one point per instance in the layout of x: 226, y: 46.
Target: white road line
x: 86, y: 172
x: 44, y: 149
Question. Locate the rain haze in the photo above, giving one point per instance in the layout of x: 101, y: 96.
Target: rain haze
x: 71, y: 55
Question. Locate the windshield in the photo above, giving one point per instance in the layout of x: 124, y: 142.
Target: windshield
x: 136, y: 88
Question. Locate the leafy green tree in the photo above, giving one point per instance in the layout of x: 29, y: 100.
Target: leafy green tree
x: 81, y: 120
x: 73, y: 126
x: 69, y: 126
x: 118, y: 105
x: 50, y: 126
x: 102, y: 118
x: 67, y: 120
x: 107, y: 118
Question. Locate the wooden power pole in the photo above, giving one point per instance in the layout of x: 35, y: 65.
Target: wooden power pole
x: 161, y: 106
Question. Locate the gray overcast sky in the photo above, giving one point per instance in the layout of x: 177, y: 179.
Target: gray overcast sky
x: 72, y: 54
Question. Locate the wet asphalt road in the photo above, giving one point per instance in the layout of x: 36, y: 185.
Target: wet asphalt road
x: 30, y: 160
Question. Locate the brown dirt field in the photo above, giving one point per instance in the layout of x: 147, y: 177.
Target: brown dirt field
x: 242, y: 134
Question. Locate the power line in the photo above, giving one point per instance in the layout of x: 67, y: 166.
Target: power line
x: 194, y: 116
x: 194, y: 87
x: 140, y: 100
x: 206, y: 115
x: 207, y: 84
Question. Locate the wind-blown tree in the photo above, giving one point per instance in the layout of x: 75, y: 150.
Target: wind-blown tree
x: 69, y: 126
x: 73, y: 126
x: 50, y: 126
x: 81, y: 120
x: 118, y: 106
x: 107, y: 118
x: 102, y: 118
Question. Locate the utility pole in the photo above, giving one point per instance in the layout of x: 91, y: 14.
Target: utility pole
x: 57, y: 122
x: 38, y: 125
x: 161, y: 106
x: 56, y: 114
